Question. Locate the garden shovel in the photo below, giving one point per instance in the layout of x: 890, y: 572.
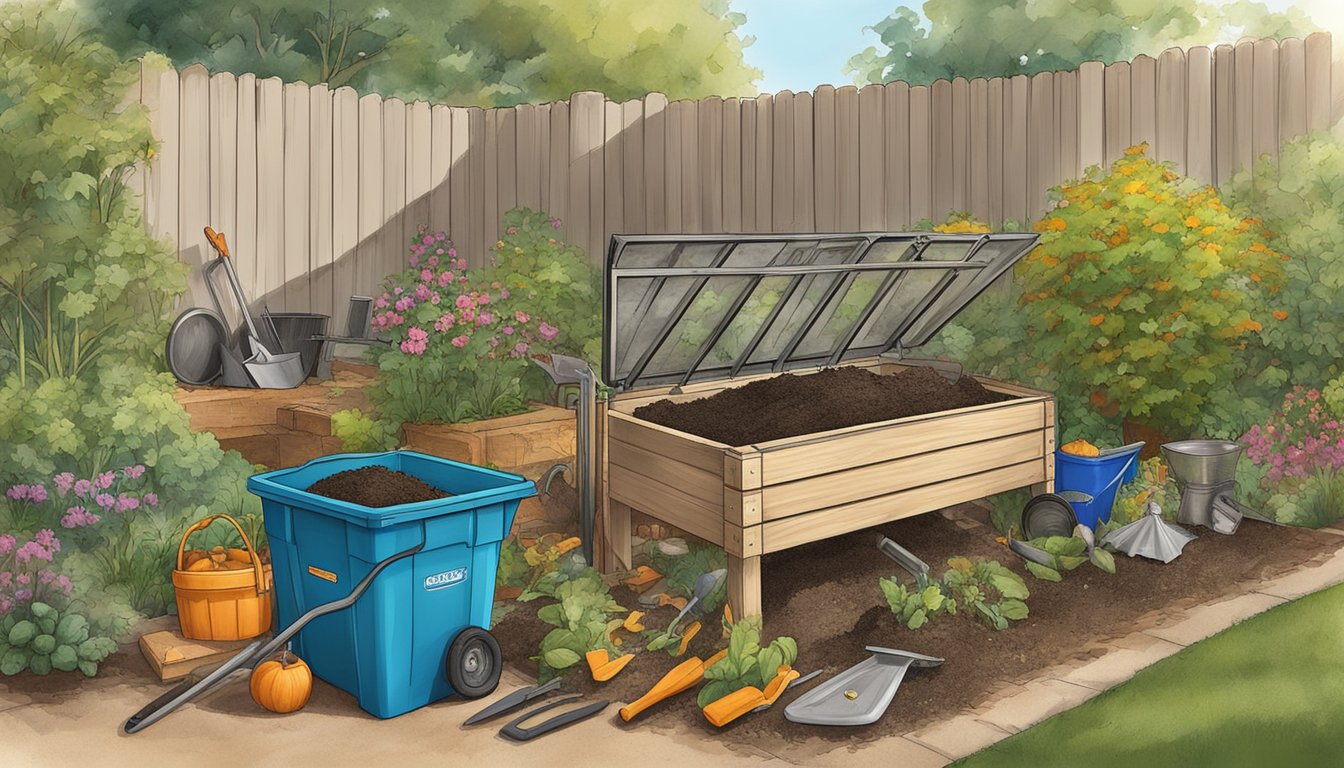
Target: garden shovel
x: 681, y: 678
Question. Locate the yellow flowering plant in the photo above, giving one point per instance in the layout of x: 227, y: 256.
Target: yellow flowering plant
x: 1144, y: 290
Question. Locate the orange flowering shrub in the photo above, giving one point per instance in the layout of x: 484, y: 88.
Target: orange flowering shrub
x: 1143, y: 290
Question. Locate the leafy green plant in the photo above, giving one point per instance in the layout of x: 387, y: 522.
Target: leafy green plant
x: 996, y: 594
x: 581, y: 622
x: 748, y: 663
x: 1311, y: 502
x: 914, y: 607
x: 524, y: 568
x: 45, y: 639
x: 359, y: 432
x: 1067, y: 553
x: 682, y: 571
x: 1149, y: 285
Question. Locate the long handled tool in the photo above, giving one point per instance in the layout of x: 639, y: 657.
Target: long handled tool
x: 682, y: 677
x: 252, y: 655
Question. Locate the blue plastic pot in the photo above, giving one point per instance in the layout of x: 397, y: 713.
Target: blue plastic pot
x: 1099, y: 477
x: 389, y: 648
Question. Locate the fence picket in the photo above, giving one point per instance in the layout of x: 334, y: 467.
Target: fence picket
x: 295, y: 222
x: 193, y: 202
x: 871, y: 157
x: 847, y: 158
x: 824, y: 171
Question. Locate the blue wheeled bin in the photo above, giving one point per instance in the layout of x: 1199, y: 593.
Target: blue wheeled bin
x: 419, y: 634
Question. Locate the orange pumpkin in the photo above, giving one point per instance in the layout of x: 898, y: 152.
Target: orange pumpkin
x: 282, y: 685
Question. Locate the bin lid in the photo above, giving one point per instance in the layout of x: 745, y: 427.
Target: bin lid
x: 682, y: 308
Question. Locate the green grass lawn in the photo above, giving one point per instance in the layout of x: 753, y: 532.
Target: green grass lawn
x: 1267, y: 692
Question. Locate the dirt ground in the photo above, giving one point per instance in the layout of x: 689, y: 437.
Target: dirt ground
x: 789, y: 405
x: 825, y: 595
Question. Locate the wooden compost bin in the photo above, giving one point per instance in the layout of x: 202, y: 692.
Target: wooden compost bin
x: 686, y: 316
x: 756, y: 499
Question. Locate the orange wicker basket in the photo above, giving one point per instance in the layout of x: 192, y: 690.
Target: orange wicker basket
x: 222, y: 605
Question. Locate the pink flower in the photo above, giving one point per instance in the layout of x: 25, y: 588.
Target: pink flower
x: 464, y: 301
x: 63, y: 482
x: 105, y: 500
x: 554, y: 222
x: 421, y: 292
x: 380, y: 302
x: 445, y: 278
x: 133, y: 472
x: 507, y: 330
x: 415, y: 333
x: 432, y: 261
x: 440, y: 237
x: 520, y: 349
x: 151, y: 499
x: 459, y: 341
x: 23, y: 578
x: 547, y: 331
x: 485, y: 318
x: 512, y: 230
x: 7, y: 542
x: 426, y: 274
x: 483, y: 299
x: 493, y: 342
x: 78, y: 517
x: 468, y: 315
x: 23, y: 595
x: 444, y: 323
x: 428, y: 240
x: 63, y: 584
x: 105, y: 480
x: 462, y: 279
x: 47, y: 538
x: 18, y: 492
x: 405, y: 303
x: 127, y: 503
x: 37, y: 493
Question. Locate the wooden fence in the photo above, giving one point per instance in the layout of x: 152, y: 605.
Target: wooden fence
x: 319, y: 190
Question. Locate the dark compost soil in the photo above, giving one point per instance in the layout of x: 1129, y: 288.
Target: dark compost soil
x: 826, y: 596
x: 789, y: 405
x: 376, y: 486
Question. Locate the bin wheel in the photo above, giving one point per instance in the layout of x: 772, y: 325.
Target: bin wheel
x: 474, y: 663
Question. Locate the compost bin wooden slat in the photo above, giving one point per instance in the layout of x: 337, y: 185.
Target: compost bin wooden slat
x: 781, y: 500
x: 676, y: 446
x: 699, y: 483
x: 824, y: 523
x: 667, y: 503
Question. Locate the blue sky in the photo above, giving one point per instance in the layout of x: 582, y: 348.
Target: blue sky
x: 801, y: 44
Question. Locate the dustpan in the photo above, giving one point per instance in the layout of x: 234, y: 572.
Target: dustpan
x: 860, y: 694
x: 1150, y: 536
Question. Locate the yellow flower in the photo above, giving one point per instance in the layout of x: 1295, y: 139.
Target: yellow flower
x: 1137, y: 149
x: 499, y: 245
x: 1191, y: 222
x: 1209, y: 230
x: 1161, y: 228
x: 1279, y: 314
x: 1098, y: 319
x: 1135, y: 187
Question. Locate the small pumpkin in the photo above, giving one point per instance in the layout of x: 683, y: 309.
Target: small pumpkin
x: 234, y: 565
x: 203, y: 564
x: 282, y: 685
x: 192, y: 556
x: 240, y: 555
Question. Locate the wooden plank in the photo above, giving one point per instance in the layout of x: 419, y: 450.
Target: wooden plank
x: 744, y: 585
x: 459, y: 182
x: 742, y: 470
x: 694, y: 481
x: 779, y: 535
x: 709, y: 119
x: 161, y: 208
x: 558, y: 169
x: 477, y: 224
x: 544, y: 155
x: 656, y: 186
x: 490, y: 213
x: 1292, y: 89
x: 907, y: 437
x: 441, y: 168
x: 507, y: 166
x: 1199, y: 146
x: 193, y: 187
x: 1091, y: 114
x: 367, y: 277
x: 345, y: 191
x: 320, y: 251
x: 804, y: 210
x: 782, y: 170
x: 597, y: 242
x: 921, y: 154
x: 1119, y: 121
x: 297, y: 179
x: 765, y: 168
x: 997, y: 121
x: 1066, y: 126
x: 748, y: 156
x: 872, y: 158
x: 224, y: 160
x: 419, y: 165
x: 942, y: 170
x: 740, y: 542
x: 1243, y: 87
x: 529, y: 156
x: 842, y: 487
x: 245, y: 236
x: 613, y: 170
x: 269, y: 254
x: 824, y: 170
x: 674, y: 165
x: 978, y: 148
x: 1042, y: 170
x: 961, y: 144
x: 1224, y: 138
x: 1170, y: 114
x: 1016, y: 106
x: 632, y: 166
x: 689, y: 116
x: 617, y: 534
x: 173, y: 657
x: 667, y: 503
x: 1319, y: 88
x: 395, y: 235
x: 688, y: 449
x: 847, y: 158
x: 1265, y: 127
x: 731, y: 132
x: 1143, y: 101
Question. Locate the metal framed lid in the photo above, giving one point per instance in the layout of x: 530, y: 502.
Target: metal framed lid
x: 682, y: 308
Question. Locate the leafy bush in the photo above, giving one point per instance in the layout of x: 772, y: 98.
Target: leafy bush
x: 360, y: 433
x: 1300, y: 197
x: 1142, y: 294
x: 1311, y: 503
x: 1067, y: 553
x: 43, y: 639
x: 995, y: 593
x: 748, y: 663
x: 1301, y: 438
x: 581, y: 622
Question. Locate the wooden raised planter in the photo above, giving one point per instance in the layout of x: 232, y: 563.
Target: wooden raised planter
x: 756, y: 499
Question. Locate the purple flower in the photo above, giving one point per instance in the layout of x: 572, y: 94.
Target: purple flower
x: 151, y: 500
x: 17, y: 492
x: 485, y: 318
x: 504, y: 294
x: 507, y: 330
x: 105, y: 480
x: 547, y: 330
x: 127, y: 503
x: 37, y: 493
x: 78, y: 517
x: 63, y: 584
x: 83, y: 488
x: 23, y: 595
x: 133, y: 472
x: 63, y: 482
x: 421, y: 292
x: 7, y: 543
x: 105, y: 500
x: 554, y: 222
x: 520, y: 349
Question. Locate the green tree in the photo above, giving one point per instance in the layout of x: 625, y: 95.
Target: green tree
x: 485, y: 52
x: 971, y: 38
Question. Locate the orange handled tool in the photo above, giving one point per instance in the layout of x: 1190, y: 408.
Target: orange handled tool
x: 217, y: 240
x: 682, y: 677
x: 744, y: 700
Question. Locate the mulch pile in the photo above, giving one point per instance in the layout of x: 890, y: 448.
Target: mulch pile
x: 826, y: 596
x: 789, y: 405
x: 376, y: 486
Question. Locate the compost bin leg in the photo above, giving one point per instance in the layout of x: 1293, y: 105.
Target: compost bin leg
x: 744, y: 585
x: 617, y: 525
